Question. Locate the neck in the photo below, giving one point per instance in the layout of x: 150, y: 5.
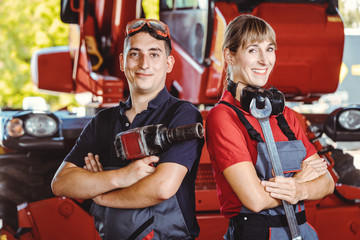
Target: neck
x: 239, y: 89
x: 139, y: 103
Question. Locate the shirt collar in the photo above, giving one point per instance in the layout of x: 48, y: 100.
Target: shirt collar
x: 160, y: 99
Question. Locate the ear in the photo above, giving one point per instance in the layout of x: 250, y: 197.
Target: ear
x: 170, y: 63
x: 228, y: 57
x: 122, y: 62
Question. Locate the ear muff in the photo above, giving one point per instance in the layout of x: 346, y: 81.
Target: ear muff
x: 276, y: 98
x: 231, y: 87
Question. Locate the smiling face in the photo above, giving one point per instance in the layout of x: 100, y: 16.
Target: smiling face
x: 145, y: 64
x: 252, y: 64
x: 249, y: 51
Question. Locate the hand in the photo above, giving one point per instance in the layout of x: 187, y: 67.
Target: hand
x: 139, y: 169
x: 311, y: 169
x: 93, y: 163
x: 284, y: 188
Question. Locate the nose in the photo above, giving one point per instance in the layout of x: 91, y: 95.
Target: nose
x: 144, y: 62
x: 263, y: 58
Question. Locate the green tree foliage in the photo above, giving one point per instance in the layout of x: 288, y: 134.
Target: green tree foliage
x: 350, y: 12
x: 26, y: 26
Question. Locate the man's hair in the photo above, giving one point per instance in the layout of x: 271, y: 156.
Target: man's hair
x: 152, y: 32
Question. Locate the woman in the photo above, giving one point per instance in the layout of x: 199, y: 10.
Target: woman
x: 248, y: 192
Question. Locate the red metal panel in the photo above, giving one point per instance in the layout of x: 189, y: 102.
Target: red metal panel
x: 207, y: 200
x: 212, y: 226
x: 336, y: 223
x: 187, y: 76
x: 53, y: 71
x: 310, y: 47
x: 103, y: 14
x: 57, y: 219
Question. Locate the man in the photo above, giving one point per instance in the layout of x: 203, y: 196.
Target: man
x: 135, y: 200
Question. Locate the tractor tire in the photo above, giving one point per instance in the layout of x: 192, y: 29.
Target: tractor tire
x: 343, y: 162
x: 352, y: 178
x: 25, y: 178
x: 344, y: 167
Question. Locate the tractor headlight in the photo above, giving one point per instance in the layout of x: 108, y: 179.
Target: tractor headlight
x: 31, y: 130
x: 343, y: 124
x: 40, y: 125
x: 350, y: 119
x: 14, y: 127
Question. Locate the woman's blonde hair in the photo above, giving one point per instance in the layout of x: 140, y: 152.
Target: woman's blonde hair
x: 245, y: 30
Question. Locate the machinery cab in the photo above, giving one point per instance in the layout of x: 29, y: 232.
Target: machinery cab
x: 310, y: 38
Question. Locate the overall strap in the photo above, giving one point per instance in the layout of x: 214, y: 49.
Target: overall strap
x: 284, y: 126
x: 105, y: 128
x: 250, y: 129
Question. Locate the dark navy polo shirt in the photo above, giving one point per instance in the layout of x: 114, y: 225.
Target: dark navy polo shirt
x: 186, y: 153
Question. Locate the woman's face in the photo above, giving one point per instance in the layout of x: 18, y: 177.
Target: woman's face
x: 253, y: 64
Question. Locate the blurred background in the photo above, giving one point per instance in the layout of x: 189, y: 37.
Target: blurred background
x: 36, y: 142
x: 27, y: 26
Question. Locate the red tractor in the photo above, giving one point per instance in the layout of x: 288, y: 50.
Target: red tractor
x: 310, y: 36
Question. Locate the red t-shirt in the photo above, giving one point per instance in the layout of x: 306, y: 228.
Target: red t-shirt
x: 227, y: 145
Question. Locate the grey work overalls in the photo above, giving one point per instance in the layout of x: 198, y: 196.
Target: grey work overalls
x: 159, y: 222
x: 271, y: 223
x: 162, y: 221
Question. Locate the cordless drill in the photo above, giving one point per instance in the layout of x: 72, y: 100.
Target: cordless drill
x: 152, y: 139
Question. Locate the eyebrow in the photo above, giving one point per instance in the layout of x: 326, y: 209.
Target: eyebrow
x: 256, y: 45
x: 151, y: 49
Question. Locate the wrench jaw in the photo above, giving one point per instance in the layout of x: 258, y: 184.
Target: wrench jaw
x: 260, y: 113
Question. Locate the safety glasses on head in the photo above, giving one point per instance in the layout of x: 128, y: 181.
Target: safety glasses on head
x: 159, y: 27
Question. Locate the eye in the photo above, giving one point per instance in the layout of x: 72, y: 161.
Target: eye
x: 154, y: 55
x: 252, y: 50
x: 270, y: 49
x: 133, y: 54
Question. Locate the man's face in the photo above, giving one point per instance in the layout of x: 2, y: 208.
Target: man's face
x: 145, y: 64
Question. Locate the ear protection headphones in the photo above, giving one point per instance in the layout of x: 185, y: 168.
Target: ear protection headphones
x: 276, y: 97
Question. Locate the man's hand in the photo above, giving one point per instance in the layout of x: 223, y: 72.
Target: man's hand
x: 93, y: 163
x: 135, y: 171
x: 140, y: 168
x: 284, y: 188
x: 311, y: 169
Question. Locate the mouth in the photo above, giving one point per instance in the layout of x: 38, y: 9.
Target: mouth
x: 140, y: 74
x: 259, y: 71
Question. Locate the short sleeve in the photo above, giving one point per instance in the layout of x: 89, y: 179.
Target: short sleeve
x: 186, y: 152
x: 85, y: 143
x: 224, y: 139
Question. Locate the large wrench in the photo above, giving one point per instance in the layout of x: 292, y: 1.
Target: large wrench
x: 262, y: 115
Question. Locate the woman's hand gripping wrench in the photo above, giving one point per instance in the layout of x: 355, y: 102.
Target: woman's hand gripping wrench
x: 262, y: 115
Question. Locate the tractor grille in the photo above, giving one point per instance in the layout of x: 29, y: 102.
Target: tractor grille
x: 205, y: 179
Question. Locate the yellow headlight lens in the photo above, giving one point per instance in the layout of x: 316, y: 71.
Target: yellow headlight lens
x: 14, y: 127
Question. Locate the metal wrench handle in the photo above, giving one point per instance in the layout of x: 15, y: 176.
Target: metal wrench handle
x: 262, y: 115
